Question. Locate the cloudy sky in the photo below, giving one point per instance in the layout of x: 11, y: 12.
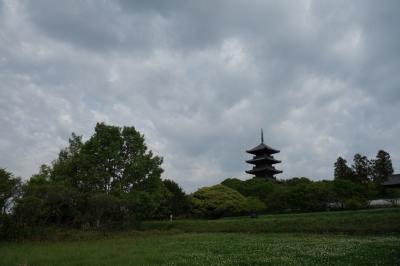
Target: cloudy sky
x: 200, y: 78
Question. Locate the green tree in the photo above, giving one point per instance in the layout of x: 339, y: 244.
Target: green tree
x: 105, y: 210
x: 255, y: 187
x: 361, y: 168
x: 217, y: 201
x: 68, y: 167
x: 254, y: 205
x: 111, y: 177
x: 297, y: 181
x: 382, y: 167
x: 179, y: 202
x: 342, y: 171
x: 47, y: 203
x: 114, y: 160
x: 349, y: 194
x: 9, y: 189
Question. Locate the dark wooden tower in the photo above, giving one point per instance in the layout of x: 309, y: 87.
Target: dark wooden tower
x: 263, y: 161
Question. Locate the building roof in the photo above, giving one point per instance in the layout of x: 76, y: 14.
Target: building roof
x: 393, y: 180
x: 262, y: 147
x: 264, y: 168
x: 263, y: 158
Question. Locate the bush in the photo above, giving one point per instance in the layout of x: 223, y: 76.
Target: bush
x: 355, y: 203
x: 217, y: 201
x: 254, y: 205
x: 8, y: 230
x: 105, y: 210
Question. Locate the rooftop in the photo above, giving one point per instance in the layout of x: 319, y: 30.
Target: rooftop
x: 264, y: 168
x: 262, y: 147
x: 393, y: 180
x: 263, y: 158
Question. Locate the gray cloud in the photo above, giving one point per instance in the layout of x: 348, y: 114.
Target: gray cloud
x: 200, y: 79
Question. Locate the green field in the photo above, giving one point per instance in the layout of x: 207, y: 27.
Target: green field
x: 269, y: 240
x: 375, y: 221
x: 210, y: 249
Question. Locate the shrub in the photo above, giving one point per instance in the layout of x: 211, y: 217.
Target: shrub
x: 254, y: 205
x: 217, y: 201
x: 355, y: 203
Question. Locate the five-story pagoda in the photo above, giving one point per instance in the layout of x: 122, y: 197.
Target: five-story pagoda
x: 263, y: 161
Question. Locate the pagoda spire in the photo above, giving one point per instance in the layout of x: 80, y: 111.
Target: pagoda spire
x: 262, y: 136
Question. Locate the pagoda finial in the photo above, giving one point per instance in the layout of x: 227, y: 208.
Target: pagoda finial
x: 262, y: 136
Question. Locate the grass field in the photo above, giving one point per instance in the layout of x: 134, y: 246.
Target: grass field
x: 233, y: 241
x: 210, y: 249
x: 375, y: 221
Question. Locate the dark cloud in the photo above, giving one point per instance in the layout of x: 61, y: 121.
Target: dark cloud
x: 200, y: 78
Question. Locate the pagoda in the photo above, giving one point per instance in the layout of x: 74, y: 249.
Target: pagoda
x: 263, y: 161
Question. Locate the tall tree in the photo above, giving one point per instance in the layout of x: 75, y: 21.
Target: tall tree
x: 361, y: 168
x: 9, y: 189
x: 382, y: 167
x: 342, y: 171
x: 66, y: 167
x: 114, y: 160
x: 110, y: 177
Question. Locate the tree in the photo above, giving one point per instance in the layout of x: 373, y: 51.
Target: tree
x: 105, y: 210
x: 297, y: 181
x: 9, y: 189
x: 47, y: 203
x: 179, y: 201
x: 217, y: 201
x: 67, y: 168
x: 102, y: 181
x: 255, y: 187
x: 361, y: 168
x: 382, y: 167
x: 254, y: 205
x: 114, y: 161
x: 349, y: 194
x: 342, y: 171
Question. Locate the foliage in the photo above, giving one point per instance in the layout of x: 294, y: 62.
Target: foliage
x: 105, y: 210
x: 382, y: 167
x: 355, y: 203
x: 113, y: 180
x: 114, y: 160
x: 342, y: 171
x: 302, y: 194
x: 179, y: 202
x: 217, y: 201
x: 9, y: 189
x: 254, y: 205
x: 361, y: 168
x: 255, y: 187
x: 107, y: 180
x: 44, y: 204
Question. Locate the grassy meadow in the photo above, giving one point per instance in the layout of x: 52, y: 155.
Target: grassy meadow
x: 374, y: 221
x: 269, y: 240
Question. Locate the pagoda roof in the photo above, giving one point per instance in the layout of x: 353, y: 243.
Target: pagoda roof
x: 262, y: 147
x: 264, y: 168
x: 263, y: 158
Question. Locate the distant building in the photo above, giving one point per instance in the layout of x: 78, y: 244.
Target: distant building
x: 263, y: 161
x: 392, y: 182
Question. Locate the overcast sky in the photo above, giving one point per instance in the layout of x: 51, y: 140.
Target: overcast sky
x: 200, y: 78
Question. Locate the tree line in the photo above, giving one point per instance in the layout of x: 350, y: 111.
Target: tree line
x: 112, y: 180
x: 364, y: 170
